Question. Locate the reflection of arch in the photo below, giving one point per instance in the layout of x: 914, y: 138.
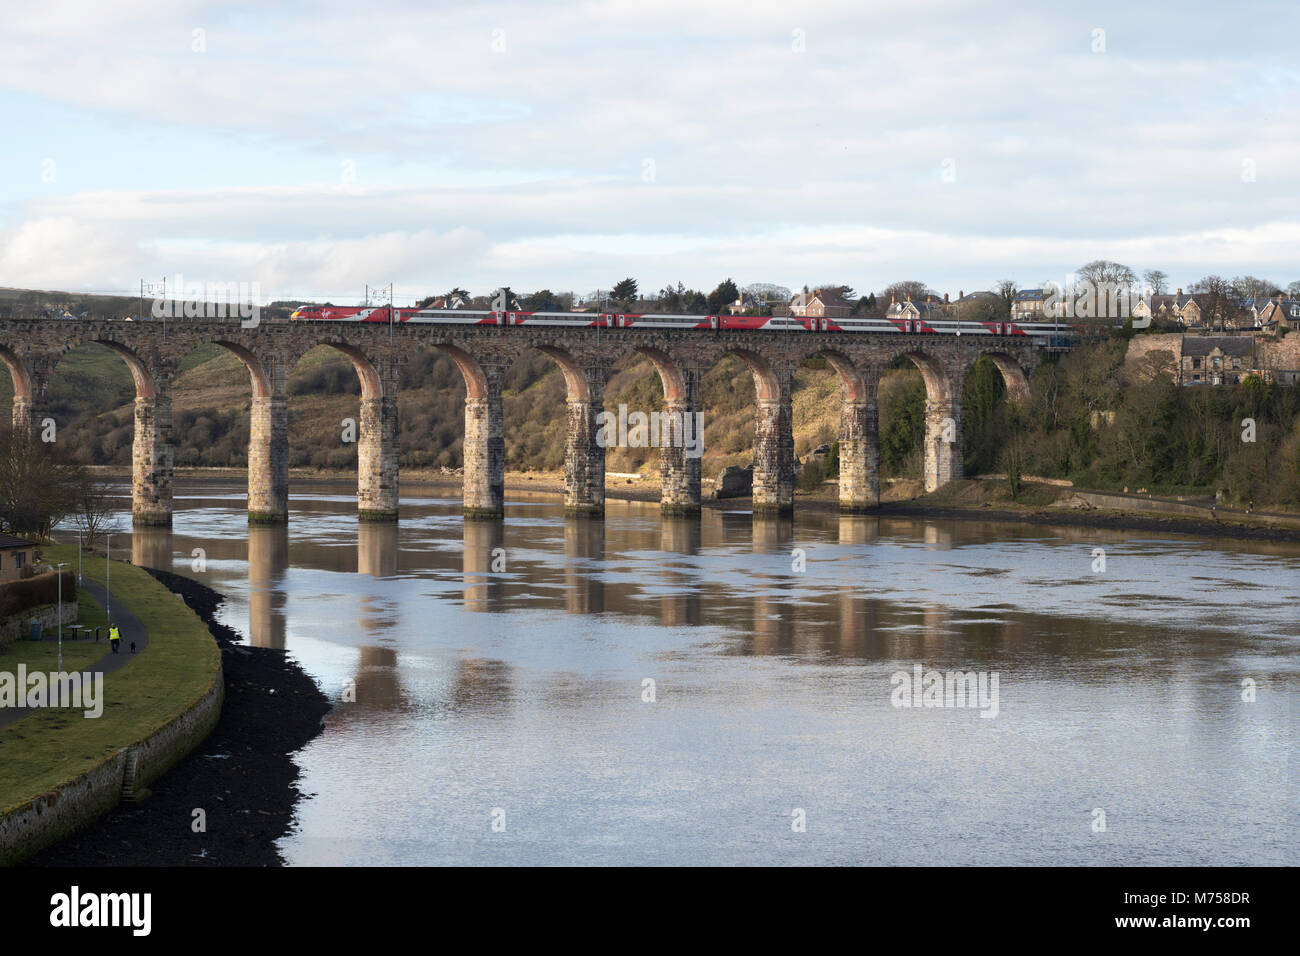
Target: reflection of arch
x: 1013, y: 375
x: 18, y: 373
x: 938, y: 387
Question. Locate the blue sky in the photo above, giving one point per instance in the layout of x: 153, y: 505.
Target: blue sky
x: 314, y: 148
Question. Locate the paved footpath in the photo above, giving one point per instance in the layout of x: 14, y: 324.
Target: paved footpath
x: 128, y: 624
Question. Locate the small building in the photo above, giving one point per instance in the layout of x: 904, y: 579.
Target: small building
x: 1216, y: 360
x: 1179, y: 308
x: 1279, y: 315
x: 16, y: 555
x: 820, y: 303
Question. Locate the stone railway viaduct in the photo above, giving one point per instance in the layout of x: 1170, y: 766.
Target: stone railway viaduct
x: 31, y: 348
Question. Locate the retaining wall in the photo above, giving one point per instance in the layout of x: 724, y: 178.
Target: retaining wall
x: 17, y: 627
x: 43, y: 820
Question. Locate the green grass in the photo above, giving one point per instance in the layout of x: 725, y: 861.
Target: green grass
x: 50, y: 747
x: 43, y: 655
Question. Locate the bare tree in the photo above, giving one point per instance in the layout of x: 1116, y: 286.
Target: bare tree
x: 909, y: 288
x: 39, y: 484
x: 1250, y: 287
x: 1217, y: 299
x: 1155, y: 280
x: 1103, y: 271
x: 1007, y: 289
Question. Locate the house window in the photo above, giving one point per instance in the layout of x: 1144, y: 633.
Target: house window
x: 1236, y: 363
x: 1196, y: 363
x: 19, y: 559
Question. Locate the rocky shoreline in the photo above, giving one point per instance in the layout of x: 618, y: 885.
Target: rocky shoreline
x: 242, y: 776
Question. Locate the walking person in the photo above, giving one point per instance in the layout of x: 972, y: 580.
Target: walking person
x: 114, y: 637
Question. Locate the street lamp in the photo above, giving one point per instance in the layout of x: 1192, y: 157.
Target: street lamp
x: 108, y: 578
x: 59, y: 570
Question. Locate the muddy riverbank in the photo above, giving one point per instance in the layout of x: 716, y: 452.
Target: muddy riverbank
x: 243, y: 776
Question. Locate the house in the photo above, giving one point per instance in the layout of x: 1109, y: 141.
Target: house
x: 745, y: 303
x: 1279, y: 315
x: 820, y: 303
x: 16, y: 555
x: 927, y: 308
x: 1216, y: 360
x: 1030, y: 305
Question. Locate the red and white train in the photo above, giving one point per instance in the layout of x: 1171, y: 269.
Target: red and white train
x: 620, y: 320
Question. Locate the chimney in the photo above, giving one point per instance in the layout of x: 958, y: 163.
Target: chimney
x: 945, y: 298
x: 1180, y: 291
x: 891, y: 298
x: 960, y: 295
x: 909, y: 297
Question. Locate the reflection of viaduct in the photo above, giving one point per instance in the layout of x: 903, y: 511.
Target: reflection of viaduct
x: 153, y: 352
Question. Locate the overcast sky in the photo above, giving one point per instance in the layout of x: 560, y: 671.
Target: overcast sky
x: 546, y: 145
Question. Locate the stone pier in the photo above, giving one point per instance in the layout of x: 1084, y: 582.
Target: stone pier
x: 377, y: 460
x: 584, y: 455
x: 484, y: 451
x: 943, y: 460
x: 268, y: 460
x: 859, y: 456
x: 774, y: 450
x: 152, y: 459
x: 679, y: 471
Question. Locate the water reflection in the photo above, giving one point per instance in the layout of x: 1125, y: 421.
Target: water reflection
x: 774, y: 683
x: 584, y: 556
x: 268, y: 558
x: 484, y: 565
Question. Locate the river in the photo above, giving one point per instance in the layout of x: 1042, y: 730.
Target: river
x: 729, y: 690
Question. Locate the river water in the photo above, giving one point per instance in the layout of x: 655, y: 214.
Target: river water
x: 728, y: 690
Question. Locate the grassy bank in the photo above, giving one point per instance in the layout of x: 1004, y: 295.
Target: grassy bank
x: 50, y: 747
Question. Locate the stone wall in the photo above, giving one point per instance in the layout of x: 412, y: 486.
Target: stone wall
x: 18, y: 626
x: 49, y: 817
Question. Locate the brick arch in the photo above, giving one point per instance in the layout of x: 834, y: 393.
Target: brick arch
x: 767, y: 384
x: 938, y: 383
x: 577, y: 387
x: 671, y: 376
x: 372, y: 385
x: 1013, y: 374
x: 135, y: 363
x: 856, y: 386
x: 259, y: 377
x: 476, y: 382
x: 22, y: 379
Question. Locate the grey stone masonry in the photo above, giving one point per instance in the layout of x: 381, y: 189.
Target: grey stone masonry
x: 584, y: 455
x: 30, y: 349
x: 859, y: 456
x: 774, y: 448
x: 377, y: 460
x: 151, y: 455
x: 268, y: 461
x: 942, y: 442
x: 679, y: 472
x: 485, y: 457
